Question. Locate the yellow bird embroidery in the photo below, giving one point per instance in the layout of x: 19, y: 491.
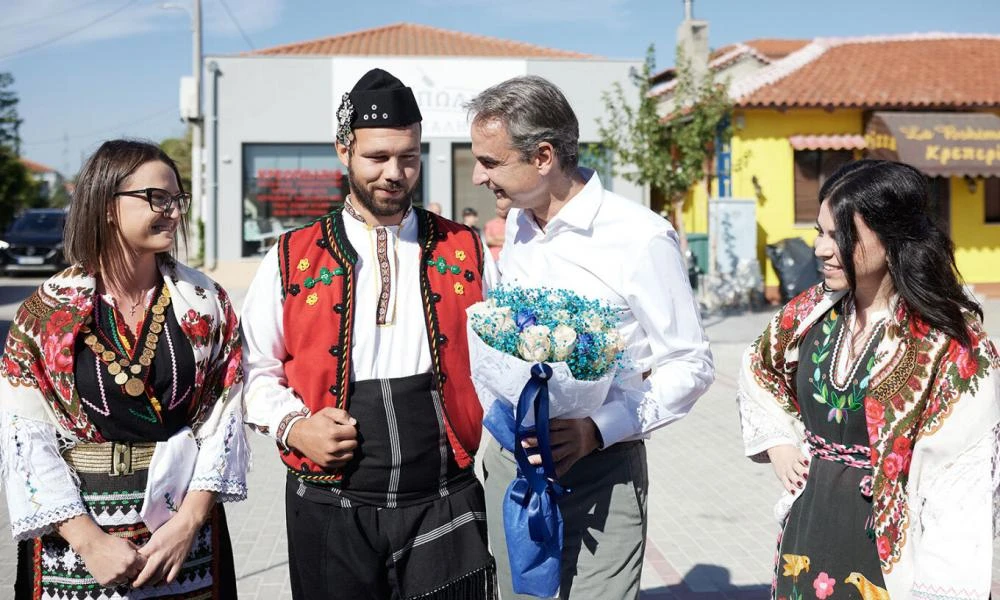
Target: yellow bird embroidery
x: 869, y: 591
x: 795, y: 564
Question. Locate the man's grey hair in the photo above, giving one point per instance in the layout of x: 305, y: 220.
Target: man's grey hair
x: 533, y: 110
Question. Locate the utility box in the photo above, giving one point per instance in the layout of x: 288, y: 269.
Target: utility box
x: 188, y: 99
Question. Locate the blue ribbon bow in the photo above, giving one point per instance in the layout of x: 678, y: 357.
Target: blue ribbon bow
x: 532, y: 521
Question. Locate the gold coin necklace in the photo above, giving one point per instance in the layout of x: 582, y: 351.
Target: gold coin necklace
x: 125, y: 369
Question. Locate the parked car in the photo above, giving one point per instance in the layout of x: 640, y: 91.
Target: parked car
x: 34, y: 242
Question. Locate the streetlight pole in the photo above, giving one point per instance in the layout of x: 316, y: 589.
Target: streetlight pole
x: 197, y: 124
x: 197, y: 127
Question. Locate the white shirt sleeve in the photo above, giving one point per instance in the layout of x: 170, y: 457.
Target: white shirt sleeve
x: 681, y: 369
x: 41, y: 490
x: 271, y: 406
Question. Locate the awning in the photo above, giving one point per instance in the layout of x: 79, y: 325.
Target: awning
x: 827, y: 142
x: 939, y: 144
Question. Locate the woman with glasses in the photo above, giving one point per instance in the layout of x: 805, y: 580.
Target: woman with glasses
x: 876, y: 398
x: 121, y: 427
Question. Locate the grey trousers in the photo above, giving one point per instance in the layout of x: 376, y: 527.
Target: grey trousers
x: 604, y: 521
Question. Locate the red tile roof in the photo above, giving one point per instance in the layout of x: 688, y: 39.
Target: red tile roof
x: 768, y: 49
x: 410, y: 39
x: 36, y: 167
x: 924, y: 71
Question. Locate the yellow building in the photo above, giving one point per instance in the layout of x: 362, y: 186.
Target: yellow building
x: 803, y: 108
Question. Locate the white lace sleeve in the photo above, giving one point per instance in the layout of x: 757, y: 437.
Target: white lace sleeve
x: 224, y: 458
x: 761, y: 430
x: 41, y: 488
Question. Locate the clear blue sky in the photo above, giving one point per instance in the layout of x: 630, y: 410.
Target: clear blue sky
x: 116, y: 68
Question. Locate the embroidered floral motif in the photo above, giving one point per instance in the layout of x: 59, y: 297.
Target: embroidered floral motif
x: 325, y: 277
x: 303, y: 264
x: 824, y: 584
x: 459, y: 289
x: 197, y: 327
x: 443, y: 267
x: 312, y: 298
x: 460, y: 254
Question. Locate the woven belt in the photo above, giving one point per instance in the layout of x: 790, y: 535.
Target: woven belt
x: 113, y: 458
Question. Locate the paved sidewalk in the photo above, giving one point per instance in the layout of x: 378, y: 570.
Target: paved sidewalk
x: 711, y: 532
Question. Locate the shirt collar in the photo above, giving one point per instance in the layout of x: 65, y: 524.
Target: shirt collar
x: 581, y: 210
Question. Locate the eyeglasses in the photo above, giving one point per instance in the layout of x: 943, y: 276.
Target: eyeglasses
x: 160, y: 201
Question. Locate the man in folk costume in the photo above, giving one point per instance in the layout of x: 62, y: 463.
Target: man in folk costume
x: 357, y: 365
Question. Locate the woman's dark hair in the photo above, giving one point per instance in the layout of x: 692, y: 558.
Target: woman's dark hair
x: 892, y: 200
x: 90, y: 237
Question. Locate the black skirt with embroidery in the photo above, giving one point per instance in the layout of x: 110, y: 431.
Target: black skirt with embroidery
x: 825, y: 551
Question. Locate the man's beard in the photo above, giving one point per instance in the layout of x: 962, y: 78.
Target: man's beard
x: 380, y: 208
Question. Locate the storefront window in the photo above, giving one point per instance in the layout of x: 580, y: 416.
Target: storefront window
x: 992, y: 191
x: 288, y: 185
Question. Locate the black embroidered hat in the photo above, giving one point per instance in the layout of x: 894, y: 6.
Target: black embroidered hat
x: 378, y: 99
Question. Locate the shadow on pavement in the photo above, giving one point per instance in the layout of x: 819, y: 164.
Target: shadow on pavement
x: 707, y: 582
x: 283, y: 563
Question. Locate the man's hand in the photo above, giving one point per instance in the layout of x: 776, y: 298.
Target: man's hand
x: 328, y: 437
x: 791, y: 467
x: 571, y: 440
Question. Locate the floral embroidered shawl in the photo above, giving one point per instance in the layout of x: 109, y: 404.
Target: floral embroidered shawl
x: 932, y: 410
x: 37, y: 363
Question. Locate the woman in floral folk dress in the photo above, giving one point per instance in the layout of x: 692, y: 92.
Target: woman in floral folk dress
x: 876, y: 398
x: 121, y: 422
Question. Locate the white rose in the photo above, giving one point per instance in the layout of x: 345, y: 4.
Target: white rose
x: 563, y: 342
x: 615, y: 343
x: 593, y: 321
x: 503, y: 320
x: 533, y: 343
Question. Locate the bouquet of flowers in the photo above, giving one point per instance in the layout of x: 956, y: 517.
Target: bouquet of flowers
x: 515, y: 328
x: 514, y: 335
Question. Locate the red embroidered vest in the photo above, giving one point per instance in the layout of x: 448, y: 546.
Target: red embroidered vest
x: 318, y: 279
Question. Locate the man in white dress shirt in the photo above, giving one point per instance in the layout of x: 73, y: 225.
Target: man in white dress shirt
x: 356, y: 363
x: 566, y: 231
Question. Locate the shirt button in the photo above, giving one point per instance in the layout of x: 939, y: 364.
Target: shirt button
x: 338, y: 308
x: 335, y: 350
x: 333, y: 390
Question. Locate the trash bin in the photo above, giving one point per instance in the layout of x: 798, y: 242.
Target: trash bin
x: 698, y: 247
x: 795, y: 263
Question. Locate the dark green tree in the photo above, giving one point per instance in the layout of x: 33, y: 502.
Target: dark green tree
x: 670, y: 153
x: 10, y: 121
x: 179, y: 149
x: 17, y: 188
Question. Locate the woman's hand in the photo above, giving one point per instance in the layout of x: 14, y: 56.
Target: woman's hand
x: 791, y: 467
x: 165, y: 551
x: 170, y: 544
x: 110, y: 560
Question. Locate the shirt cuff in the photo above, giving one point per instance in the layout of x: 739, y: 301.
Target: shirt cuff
x: 281, y: 434
x: 614, y: 423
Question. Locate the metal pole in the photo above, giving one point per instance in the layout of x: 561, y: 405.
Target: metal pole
x: 197, y: 126
x: 212, y: 200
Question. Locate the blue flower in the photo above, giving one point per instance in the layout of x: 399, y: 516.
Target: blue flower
x: 524, y: 318
x: 584, y: 343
